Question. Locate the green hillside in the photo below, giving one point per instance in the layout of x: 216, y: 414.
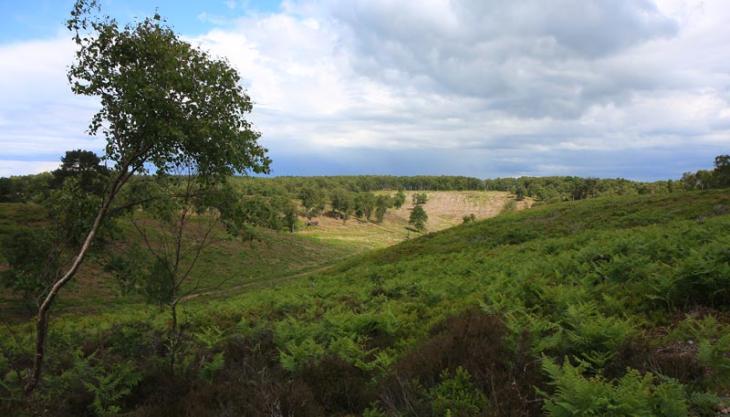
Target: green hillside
x: 612, y: 306
x: 230, y: 263
x: 227, y: 263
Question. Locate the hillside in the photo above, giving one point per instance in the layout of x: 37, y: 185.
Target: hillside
x: 611, y: 306
x: 444, y: 208
x: 227, y: 262
x: 231, y: 263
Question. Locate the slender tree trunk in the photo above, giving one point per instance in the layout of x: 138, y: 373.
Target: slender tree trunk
x: 42, y: 315
x: 173, y: 336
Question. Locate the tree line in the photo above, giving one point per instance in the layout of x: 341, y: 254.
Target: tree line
x: 37, y: 188
x: 566, y: 188
x: 719, y: 177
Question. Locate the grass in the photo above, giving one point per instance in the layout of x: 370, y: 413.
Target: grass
x: 607, y: 285
x: 14, y: 216
x: 229, y: 264
x: 225, y: 264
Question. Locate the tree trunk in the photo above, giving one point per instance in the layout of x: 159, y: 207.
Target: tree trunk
x: 42, y: 315
x: 174, y: 336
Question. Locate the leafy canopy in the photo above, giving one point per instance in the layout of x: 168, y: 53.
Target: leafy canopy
x: 86, y: 167
x: 163, y: 101
x: 418, y: 217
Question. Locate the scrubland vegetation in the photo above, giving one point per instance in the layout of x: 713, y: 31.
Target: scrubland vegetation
x: 181, y: 289
x: 610, y: 306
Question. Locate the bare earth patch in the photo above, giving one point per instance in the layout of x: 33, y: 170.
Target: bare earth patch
x: 444, y: 208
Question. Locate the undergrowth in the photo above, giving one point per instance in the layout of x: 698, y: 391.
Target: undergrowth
x: 610, y: 307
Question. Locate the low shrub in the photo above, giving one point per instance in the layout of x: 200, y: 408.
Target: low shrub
x: 632, y: 395
x: 477, y: 343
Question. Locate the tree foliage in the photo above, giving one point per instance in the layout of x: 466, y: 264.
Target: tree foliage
x: 33, y: 258
x: 399, y: 199
x: 418, y: 218
x: 164, y: 103
x: 419, y: 198
x: 382, y: 204
x: 313, y: 200
x: 365, y: 204
x: 705, y: 179
x: 86, y: 167
x: 343, y: 203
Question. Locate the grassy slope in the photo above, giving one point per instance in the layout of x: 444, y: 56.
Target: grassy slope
x: 13, y: 216
x: 444, y: 208
x: 451, y: 269
x: 227, y: 263
x: 582, y: 280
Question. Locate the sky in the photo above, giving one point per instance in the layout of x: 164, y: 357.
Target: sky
x: 638, y: 89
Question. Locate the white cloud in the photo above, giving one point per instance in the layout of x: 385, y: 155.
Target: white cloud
x: 516, y: 85
x: 9, y: 167
x: 39, y: 116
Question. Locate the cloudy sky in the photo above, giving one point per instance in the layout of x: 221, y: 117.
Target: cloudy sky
x: 632, y: 88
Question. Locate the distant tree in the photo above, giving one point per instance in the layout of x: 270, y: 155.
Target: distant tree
x: 343, y: 204
x: 253, y: 209
x: 700, y: 180
x: 689, y: 181
x: 8, y: 193
x: 469, y: 219
x: 313, y: 200
x: 706, y: 179
x: 86, y: 167
x: 419, y: 198
x: 399, y: 199
x: 290, y: 215
x: 719, y: 177
x: 584, y: 188
x: 28, y: 188
x: 365, y: 204
x: 382, y: 204
x: 721, y: 174
x: 163, y: 103
x: 418, y: 218
x: 520, y: 193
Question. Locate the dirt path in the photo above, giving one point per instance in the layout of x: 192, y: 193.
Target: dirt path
x: 260, y: 283
x: 445, y: 209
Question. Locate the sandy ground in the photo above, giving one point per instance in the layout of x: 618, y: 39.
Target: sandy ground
x: 444, y: 208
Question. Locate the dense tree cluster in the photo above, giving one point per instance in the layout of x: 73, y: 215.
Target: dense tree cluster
x: 25, y: 188
x: 315, y: 192
x: 364, y: 205
x: 574, y: 188
x: 706, y: 179
x: 361, y: 183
